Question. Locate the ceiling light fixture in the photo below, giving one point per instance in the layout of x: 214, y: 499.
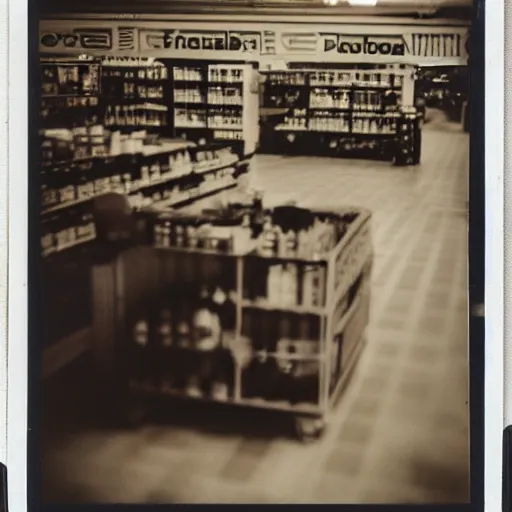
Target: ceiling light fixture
x: 355, y: 3
x: 363, y: 3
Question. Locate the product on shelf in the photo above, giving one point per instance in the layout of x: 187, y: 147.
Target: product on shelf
x: 222, y: 118
x: 290, y: 374
x: 137, y: 115
x: 224, y: 75
x: 282, y: 285
x: 64, y: 232
x: 408, y: 137
x: 295, y: 121
x: 69, y: 78
x: 190, y: 118
x: 227, y: 135
x: 206, y: 326
x: 75, y: 144
x: 372, y: 124
x: 188, y: 74
x: 329, y: 98
x: 329, y: 122
x: 134, y: 67
x: 286, y: 78
x: 178, y: 346
x: 201, y: 234
x: 224, y: 96
x: 335, y: 78
x: 309, y: 241
x: 188, y: 96
x: 141, y: 369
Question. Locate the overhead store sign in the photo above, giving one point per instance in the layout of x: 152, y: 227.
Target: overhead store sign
x: 200, y: 40
x: 316, y: 43
x: 364, y: 44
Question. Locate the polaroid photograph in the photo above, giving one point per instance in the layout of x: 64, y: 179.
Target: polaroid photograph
x: 260, y: 257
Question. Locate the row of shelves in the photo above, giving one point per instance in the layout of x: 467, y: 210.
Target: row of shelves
x: 394, y: 137
x: 77, y: 182
x: 162, y: 96
x: 75, y: 227
x: 379, y: 79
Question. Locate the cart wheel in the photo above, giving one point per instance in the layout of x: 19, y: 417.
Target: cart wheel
x: 309, y: 429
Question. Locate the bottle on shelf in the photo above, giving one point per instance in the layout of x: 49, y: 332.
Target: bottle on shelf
x: 140, y: 339
x: 225, y: 303
x: 187, y: 74
x: 289, y: 285
x: 274, y: 280
x: 165, y: 341
x: 86, y: 227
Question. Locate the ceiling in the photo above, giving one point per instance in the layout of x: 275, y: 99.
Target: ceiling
x: 454, y: 9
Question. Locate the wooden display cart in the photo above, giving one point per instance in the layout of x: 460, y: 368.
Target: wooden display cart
x: 342, y: 314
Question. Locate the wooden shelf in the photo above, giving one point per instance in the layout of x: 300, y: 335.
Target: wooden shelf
x: 248, y: 402
x: 267, y: 306
x: 76, y: 243
x: 183, y: 202
x: 336, y: 109
x: 68, y: 204
x: 188, y: 250
x: 290, y: 357
x: 161, y: 181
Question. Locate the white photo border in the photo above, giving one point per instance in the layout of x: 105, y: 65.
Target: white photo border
x: 16, y: 456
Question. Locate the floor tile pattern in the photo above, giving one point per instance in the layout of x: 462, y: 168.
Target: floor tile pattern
x: 400, y: 431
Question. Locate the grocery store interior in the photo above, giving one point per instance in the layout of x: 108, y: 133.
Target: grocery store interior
x: 254, y: 236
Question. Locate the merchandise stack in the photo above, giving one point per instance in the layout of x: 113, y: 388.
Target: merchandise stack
x: 261, y: 308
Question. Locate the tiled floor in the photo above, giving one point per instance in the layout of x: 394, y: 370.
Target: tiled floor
x: 400, y: 433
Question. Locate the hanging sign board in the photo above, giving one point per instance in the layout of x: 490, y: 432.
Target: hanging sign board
x: 407, y: 44
x: 363, y: 45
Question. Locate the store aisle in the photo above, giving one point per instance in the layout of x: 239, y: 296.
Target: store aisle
x: 399, y: 434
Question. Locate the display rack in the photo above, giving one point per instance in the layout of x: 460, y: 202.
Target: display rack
x: 136, y: 95
x: 171, y: 174
x: 216, y: 102
x: 286, y: 342
x: 334, y: 112
x: 201, y: 102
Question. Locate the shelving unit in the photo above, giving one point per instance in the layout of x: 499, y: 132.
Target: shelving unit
x: 318, y: 345
x: 216, y: 102
x: 202, y: 102
x: 135, y: 95
x: 336, y: 112
x: 159, y: 179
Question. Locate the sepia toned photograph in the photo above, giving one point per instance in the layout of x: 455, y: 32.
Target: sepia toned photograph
x: 253, y: 234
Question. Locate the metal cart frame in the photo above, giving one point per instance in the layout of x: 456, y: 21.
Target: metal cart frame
x: 118, y: 290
